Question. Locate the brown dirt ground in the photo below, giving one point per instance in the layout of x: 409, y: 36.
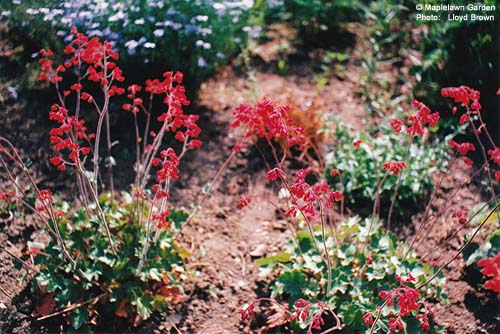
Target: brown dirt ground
x: 224, y: 241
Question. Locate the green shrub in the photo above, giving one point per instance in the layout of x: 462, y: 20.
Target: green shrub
x: 356, y: 278
x: 112, y: 281
x: 361, y: 167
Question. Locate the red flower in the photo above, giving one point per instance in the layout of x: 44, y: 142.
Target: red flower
x: 495, y: 155
x: 394, y: 167
x: 461, y: 216
x: 247, y: 313
x: 395, y: 324
x: 56, y: 160
x: 335, y: 172
x: 396, y: 125
x: 357, y: 143
x: 195, y: 144
x: 45, y: 195
x: 273, y: 174
x: 462, y: 148
x: 368, y: 319
x: 244, y: 201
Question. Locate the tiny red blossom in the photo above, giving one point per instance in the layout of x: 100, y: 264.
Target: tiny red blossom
x: 394, y: 167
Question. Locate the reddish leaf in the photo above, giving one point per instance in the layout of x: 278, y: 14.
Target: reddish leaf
x: 46, y: 305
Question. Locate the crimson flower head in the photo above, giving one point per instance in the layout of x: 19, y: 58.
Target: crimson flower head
x: 368, y: 319
x: 462, y: 148
x: 244, y: 201
x: 247, y: 313
x: 491, y: 268
x: 335, y: 172
x: 395, y: 324
x: 462, y: 94
x: 495, y: 155
x: 45, y: 195
x: 274, y: 173
x: 357, y: 143
x: 396, y: 125
x: 394, y: 167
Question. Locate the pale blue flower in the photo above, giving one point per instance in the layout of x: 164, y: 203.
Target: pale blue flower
x: 202, y: 62
x: 158, y: 32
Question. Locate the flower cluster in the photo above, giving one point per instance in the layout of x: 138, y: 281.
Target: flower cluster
x: 462, y: 148
x: 173, y: 119
x: 266, y: 120
x: 303, y: 310
x: 168, y: 164
x: 67, y: 136
x: 417, y: 122
x: 469, y: 100
x: 491, y: 268
x: 423, y: 117
x: 394, y: 167
x: 408, y: 301
x: 44, y: 199
x: 306, y: 197
x: 7, y: 196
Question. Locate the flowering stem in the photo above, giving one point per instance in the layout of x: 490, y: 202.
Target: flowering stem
x: 423, y: 222
x: 467, y: 243
x: 375, y: 205
x: 400, y: 176
x: 377, y: 318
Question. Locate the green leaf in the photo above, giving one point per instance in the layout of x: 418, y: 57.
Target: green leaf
x: 155, y: 274
x: 182, y: 252
x: 280, y: 257
x: 144, y: 305
x: 79, y: 317
x: 294, y: 281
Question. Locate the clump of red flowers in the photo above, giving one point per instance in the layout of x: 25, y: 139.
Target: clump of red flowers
x: 304, y: 311
x: 394, y: 167
x: 408, y: 302
x: 266, y: 120
x: 491, y: 268
x: 469, y: 100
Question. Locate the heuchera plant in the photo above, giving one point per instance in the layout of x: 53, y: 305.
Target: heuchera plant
x: 113, y: 253
x: 311, y: 271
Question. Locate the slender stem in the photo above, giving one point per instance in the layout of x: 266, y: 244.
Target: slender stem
x: 467, y: 243
x: 400, y: 176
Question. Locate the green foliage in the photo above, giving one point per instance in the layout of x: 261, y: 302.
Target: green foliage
x: 314, y: 17
x: 355, y: 282
x: 111, y: 279
x: 361, y: 167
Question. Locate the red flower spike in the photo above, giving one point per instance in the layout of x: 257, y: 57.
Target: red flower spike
x: 395, y: 324
x: 244, y: 201
x: 462, y: 148
x: 495, y: 155
x: 394, y: 167
x: 396, y: 125
x: 274, y: 173
x: 368, y: 319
